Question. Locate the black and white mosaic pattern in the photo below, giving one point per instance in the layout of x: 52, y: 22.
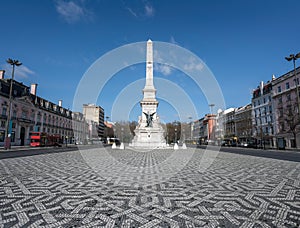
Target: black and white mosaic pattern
x: 62, y: 190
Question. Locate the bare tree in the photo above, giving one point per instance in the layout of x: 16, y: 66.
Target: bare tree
x: 124, y: 130
x: 289, y: 120
x: 173, y: 132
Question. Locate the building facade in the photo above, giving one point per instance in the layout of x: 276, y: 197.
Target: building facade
x: 95, y: 117
x: 285, y: 99
x: 243, y: 123
x: 80, y: 128
x: 222, y: 131
x: 31, y: 113
x: 207, y: 129
x: 263, y: 115
x: 229, y: 125
x: 195, y: 130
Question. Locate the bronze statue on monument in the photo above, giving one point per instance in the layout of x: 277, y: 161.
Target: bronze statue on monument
x: 149, y: 118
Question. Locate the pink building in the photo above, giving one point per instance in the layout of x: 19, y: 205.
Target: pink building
x: 285, y: 99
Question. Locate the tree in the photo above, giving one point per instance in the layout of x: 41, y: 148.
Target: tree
x: 173, y: 132
x: 289, y: 120
x: 132, y: 126
x: 124, y: 130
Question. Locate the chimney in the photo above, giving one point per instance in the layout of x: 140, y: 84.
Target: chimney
x: 261, y: 87
x: 2, y: 74
x: 60, y: 103
x: 33, y: 88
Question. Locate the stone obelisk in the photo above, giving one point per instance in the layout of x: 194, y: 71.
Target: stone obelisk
x: 149, y: 132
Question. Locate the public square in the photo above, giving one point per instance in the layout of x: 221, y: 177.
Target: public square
x: 64, y: 189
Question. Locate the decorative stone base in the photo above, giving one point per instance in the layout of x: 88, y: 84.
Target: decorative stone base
x: 176, y: 147
x: 149, y: 138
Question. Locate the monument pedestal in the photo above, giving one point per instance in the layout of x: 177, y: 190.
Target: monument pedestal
x: 149, y: 138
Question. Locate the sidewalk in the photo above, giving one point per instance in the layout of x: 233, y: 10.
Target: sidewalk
x: 16, y: 148
x: 27, y: 147
x: 250, y: 148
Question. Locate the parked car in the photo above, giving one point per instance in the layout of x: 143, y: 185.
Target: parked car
x: 228, y: 143
x: 248, y: 144
x: 111, y: 141
x: 224, y: 143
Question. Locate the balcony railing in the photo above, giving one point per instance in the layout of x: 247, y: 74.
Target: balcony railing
x: 24, y: 120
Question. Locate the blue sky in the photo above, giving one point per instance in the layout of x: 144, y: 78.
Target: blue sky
x: 242, y: 43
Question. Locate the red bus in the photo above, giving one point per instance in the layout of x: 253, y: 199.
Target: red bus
x: 43, y: 139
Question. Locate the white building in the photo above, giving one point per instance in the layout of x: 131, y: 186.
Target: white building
x: 94, y: 115
x: 263, y: 115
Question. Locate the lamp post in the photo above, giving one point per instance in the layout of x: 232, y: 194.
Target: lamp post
x: 8, y: 120
x: 122, y: 132
x: 106, y: 129
x: 294, y: 58
x: 66, y: 141
x: 167, y: 137
x: 190, y: 118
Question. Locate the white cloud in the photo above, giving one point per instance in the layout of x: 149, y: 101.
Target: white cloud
x: 164, y: 69
x: 192, y: 65
x: 146, y: 10
x: 72, y: 12
x: 21, y: 72
x: 157, y: 55
x: 149, y: 10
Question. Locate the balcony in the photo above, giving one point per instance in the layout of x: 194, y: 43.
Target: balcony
x: 24, y: 120
x: 3, y: 116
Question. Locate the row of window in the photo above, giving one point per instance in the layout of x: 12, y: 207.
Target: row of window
x: 288, y: 98
x: 264, y: 120
x: 263, y: 111
x: 51, y: 130
x: 262, y: 101
x: 51, y: 119
x: 287, y: 86
x: 268, y: 130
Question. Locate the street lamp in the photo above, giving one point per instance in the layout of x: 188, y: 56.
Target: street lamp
x: 66, y: 141
x: 294, y: 58
x: 190, y: 118
x: 122, y: 130
x: 8, y: 124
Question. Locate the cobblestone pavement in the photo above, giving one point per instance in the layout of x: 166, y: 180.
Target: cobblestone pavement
x: 62, y: 190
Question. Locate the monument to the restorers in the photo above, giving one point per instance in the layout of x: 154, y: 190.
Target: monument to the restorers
x: 149, y: 132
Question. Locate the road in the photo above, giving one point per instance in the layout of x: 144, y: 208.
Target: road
x: 27, y: 151
x: 275, y: 154
x: 94, y: 187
